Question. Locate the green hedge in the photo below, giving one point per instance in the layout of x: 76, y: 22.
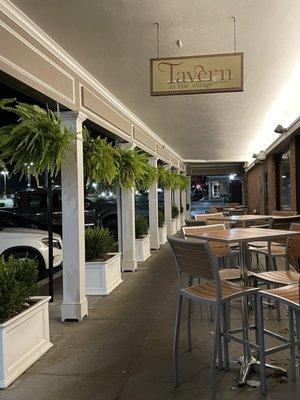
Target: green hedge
x: 17, y: 283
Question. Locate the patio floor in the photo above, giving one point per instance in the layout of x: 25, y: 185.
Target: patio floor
x: 123, y: 349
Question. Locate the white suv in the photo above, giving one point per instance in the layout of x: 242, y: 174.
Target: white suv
x: 20, y: 238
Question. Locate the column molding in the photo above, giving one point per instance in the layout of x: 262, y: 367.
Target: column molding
x: 153, y: 210
x: 127, y: 219
x: 74, y: 305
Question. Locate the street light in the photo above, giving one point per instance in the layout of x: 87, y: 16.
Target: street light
x: 28, y: 165
x: 4, y: 174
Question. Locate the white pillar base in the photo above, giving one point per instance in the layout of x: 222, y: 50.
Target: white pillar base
x: 154, y: 245
x: 74, y: 311
x: 129, y: 265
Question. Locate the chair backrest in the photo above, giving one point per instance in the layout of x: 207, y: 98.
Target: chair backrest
x: 201, y: 217
x: 217, y: 216
x: 194, y: 231
x: 293, y: 247
x: 193, y: 222
x: 194, y: 257
x: 283, y: 213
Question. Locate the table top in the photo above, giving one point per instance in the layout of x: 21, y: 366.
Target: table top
x: 242, y: 218
x: 245, y: 234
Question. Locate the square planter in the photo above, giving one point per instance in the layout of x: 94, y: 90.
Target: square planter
x: 142, y: 248
x: 23, y: 340
x: 102, y: 277
x: 172, y: 229
x: 162, y: 234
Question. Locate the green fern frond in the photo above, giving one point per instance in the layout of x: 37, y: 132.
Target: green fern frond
x: 99, y: 159
x: 37, y: 137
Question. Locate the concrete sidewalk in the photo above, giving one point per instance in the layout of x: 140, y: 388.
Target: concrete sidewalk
x: 123, y: 350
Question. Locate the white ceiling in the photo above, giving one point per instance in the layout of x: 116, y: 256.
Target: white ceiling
x: 114, y: 39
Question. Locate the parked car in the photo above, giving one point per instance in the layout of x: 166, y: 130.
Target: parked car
x: 22, y: 238
x: 33, y: 205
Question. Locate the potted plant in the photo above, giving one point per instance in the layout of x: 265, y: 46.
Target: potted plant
x: 24, y: 319
x: 102, y: 264
x: 142, y: 238
x: 174, y: 223
x: 162, y: 228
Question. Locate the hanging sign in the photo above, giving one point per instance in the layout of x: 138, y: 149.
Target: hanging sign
x: 197, y: 74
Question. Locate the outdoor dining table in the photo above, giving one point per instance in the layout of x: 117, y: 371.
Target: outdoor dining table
x: 244, y: 219
x: 243, y: 236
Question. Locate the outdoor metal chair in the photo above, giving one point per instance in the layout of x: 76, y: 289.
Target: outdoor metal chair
x: 195, y: 258
x: 290, y: 296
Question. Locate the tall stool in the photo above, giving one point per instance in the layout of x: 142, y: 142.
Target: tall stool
x: 290, y: 296
x: 194, y: 257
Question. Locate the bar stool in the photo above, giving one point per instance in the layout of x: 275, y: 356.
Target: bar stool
x: 194, y: 257
x: 290, y: 296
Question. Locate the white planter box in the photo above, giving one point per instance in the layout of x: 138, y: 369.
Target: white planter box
x: 178, y: 223
x: 102, y: 277
x: 172, y: 227
x: 142, y: 248
x: 23, y: 340
x: 162, y: 234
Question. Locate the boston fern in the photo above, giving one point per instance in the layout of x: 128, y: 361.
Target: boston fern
x: 37, y: 137
x: 133, y: 168
x: 100, y: 159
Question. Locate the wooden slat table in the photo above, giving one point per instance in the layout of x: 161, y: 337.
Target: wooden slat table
x: 243, y: 236
x: 244, y: 219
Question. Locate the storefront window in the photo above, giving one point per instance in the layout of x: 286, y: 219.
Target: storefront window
x: 285, y: 181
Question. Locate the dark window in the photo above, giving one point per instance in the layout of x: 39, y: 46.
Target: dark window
x: 284, y: 181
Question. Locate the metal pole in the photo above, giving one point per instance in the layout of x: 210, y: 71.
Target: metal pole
x: 48, y: 185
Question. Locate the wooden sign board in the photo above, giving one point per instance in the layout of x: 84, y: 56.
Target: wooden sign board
x: 197, y: 74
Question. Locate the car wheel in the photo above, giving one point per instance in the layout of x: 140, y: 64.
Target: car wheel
x: 32, y: 255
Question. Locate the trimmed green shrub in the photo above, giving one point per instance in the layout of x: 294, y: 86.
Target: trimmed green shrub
x: 141, y: 226
x: 161, y: 218
x: 98, y: 242
x: 175, y: 211
x: 17, y: 283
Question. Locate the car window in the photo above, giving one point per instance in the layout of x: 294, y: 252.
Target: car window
x: 37, y: 201
x: 14, y: 221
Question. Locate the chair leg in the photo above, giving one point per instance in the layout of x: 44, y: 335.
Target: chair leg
x: 292, y: 343
x: 189, y: 329
x: 297, y: 317
x: 176, y: 340
x: 226, y: 317
x: 214, y: 352
x: 261, y: 343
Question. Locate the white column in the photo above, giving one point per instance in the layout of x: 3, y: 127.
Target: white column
x: 128, y: 261
x: 177, y: 203
x: 189, y: 198
x: 74, y: 305
x: 153, y: 210
x: 183, y: 202
x: 168, y: 210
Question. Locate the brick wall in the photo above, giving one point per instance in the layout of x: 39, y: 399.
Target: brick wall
x: 254, y: 185
x: 293, y: 174
x: 254, y: 194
